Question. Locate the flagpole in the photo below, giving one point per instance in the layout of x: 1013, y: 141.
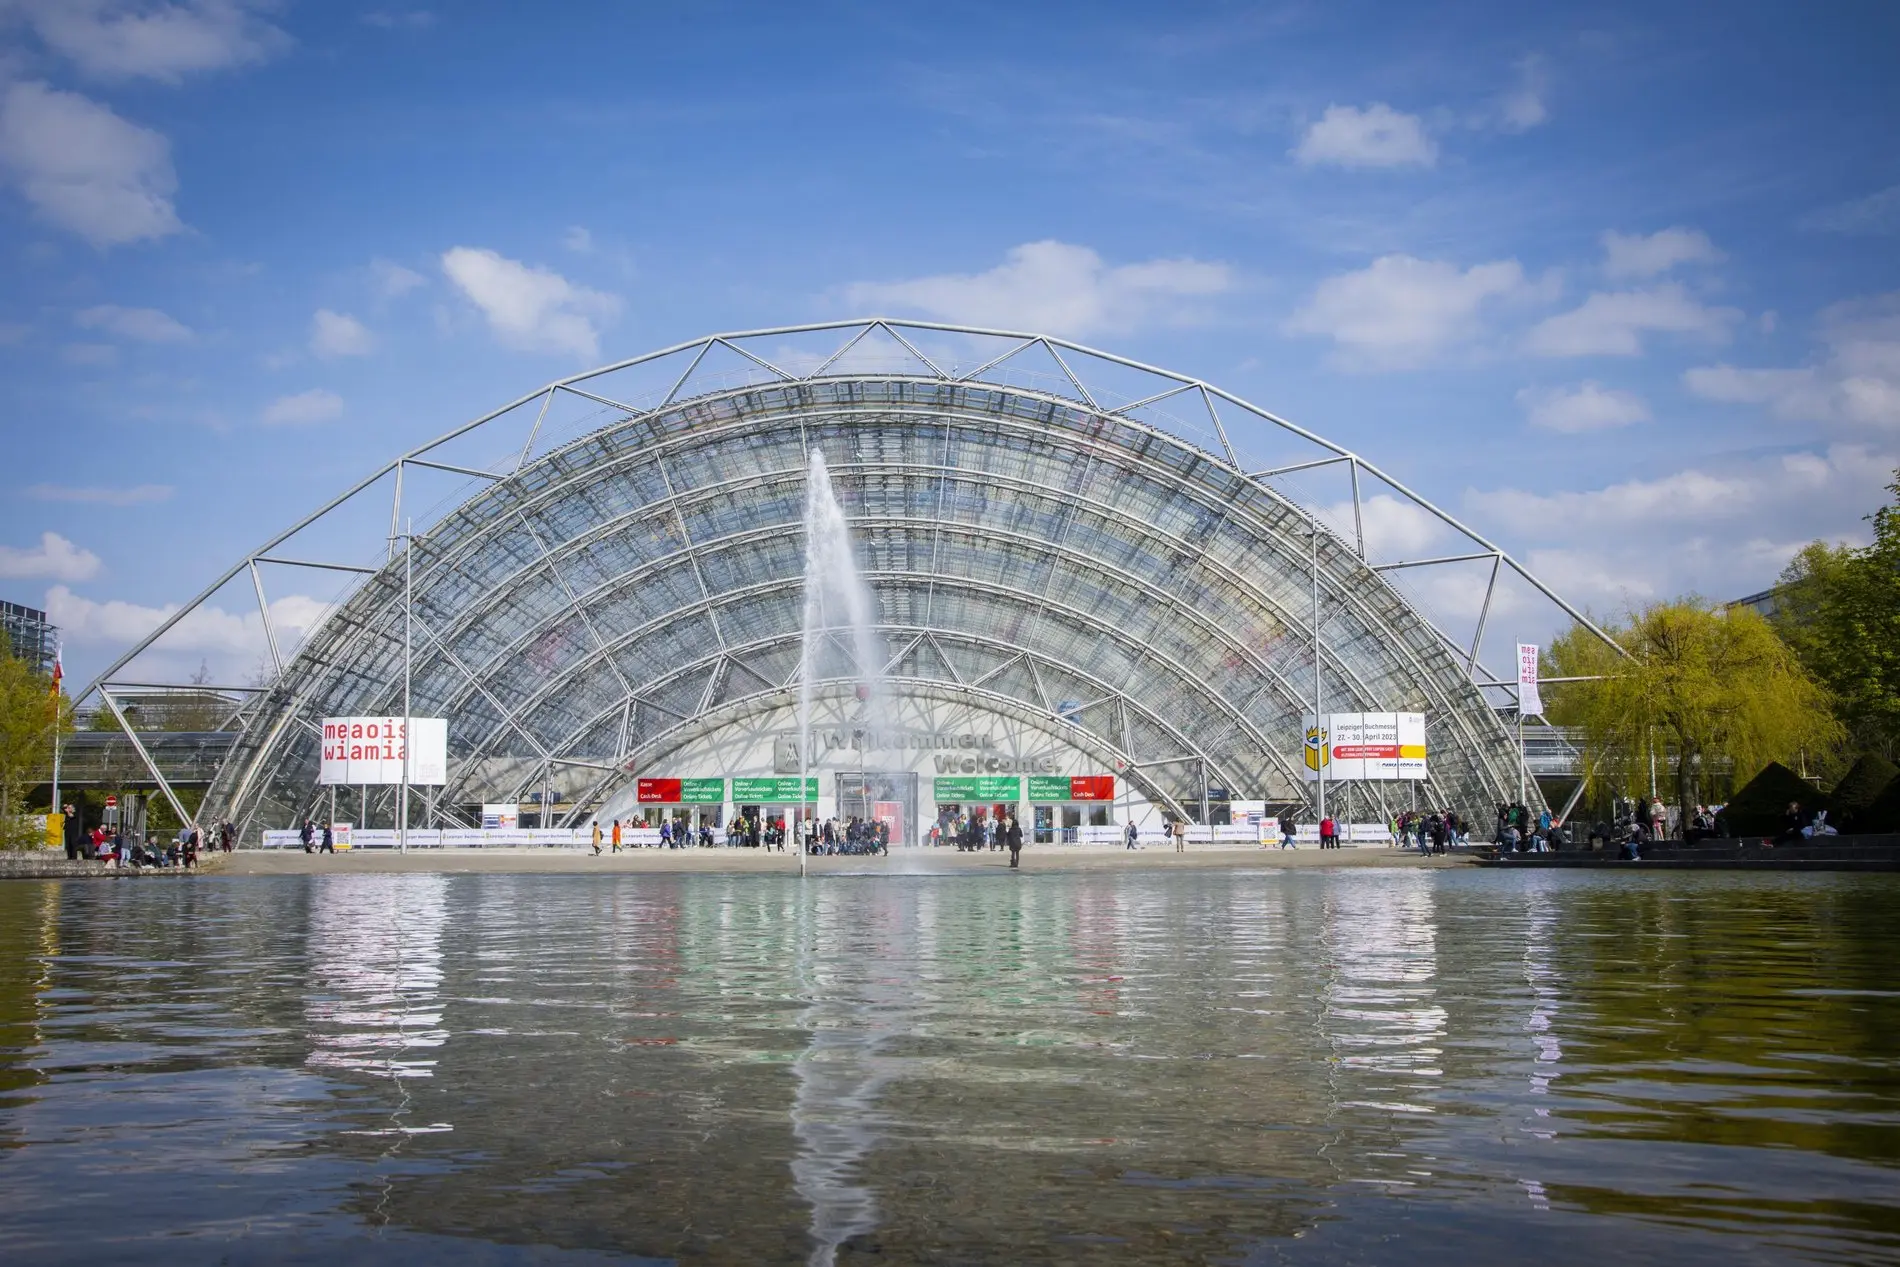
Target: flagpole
x: 52, y: 806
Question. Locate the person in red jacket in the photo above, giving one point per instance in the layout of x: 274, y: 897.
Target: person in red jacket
x: 1328, y: 834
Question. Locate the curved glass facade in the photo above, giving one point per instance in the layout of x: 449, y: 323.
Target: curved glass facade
x: 639, y: 589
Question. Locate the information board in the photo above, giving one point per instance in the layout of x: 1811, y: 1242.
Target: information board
x: 681, y: 791
x: 981, y: 788
x: 1381, y: 747
x: 1080, y: 787
x: 773, y: 791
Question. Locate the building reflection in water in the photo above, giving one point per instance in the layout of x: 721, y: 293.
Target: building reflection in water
x: 856, y: 1003
x: 376, y: 974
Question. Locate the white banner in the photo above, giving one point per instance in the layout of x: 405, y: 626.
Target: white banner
x: 1382, y: 747
x: 501, y: 817
x: 369, y: 750
x: 1529, y: 702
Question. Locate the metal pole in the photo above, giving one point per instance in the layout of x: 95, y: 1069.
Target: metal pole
x: 1520, y: 758
x: 408, y: 724
x: 1319, y: 716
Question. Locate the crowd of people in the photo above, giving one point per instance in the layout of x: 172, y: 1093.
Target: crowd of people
x: 119, y: 847
x: 974, y: 833
x: 1430, y: 830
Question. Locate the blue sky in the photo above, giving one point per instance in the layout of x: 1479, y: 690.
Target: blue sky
x: 1620, y: 284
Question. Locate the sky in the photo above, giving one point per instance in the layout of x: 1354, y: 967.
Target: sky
x: 1618, y: 284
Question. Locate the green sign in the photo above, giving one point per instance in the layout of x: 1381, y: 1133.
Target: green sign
x: 984, y: 787
x: 702, y: 791
x: 773, y: 791
x: 1043, y: 787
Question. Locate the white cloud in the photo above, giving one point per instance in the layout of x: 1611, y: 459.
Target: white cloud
x: 1523, y: 107
x: 231, y: 644
x: 316, y: 405
x: 1721, y: 531
x: 339, y: 334
x: 395, y: 19
x: 129, y: 495
x: 1856, y: 381
x: 1634, y: 255
x: 1400, y: 311
x: 532, y: 309
x: 91, y: 354
x: 1395, y: 528
x: 154, y: 39
x: 1054, y: 288
x: 85, y: 169
x: 1877, y: 213
x: 147, y: 325
x: 1613, y: 323
x: 54, y: 559
x: 393, y: 280
x: 578, y: 240
x: 1589, y: 406
x: 1377, y: 136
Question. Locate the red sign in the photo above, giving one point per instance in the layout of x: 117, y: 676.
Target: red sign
x: 659, y: 791
x: 1092, y: 787
x: 1366, y: 751
x: 112, y: 802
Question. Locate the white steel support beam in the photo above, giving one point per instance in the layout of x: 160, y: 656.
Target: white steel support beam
x: 151, y: 766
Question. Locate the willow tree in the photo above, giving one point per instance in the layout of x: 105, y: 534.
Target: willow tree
x: 1699, y: 689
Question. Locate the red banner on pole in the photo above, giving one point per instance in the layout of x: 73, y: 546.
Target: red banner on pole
x: 1092, y: 787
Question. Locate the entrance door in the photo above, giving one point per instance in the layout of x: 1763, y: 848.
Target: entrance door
x: 880, y: 796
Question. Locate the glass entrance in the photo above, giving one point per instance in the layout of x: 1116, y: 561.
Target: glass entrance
x: 887, y: 797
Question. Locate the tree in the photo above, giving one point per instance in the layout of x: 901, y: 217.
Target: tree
x: 1715, y: 694
x: 1839, y: 608
x: 29, y: 714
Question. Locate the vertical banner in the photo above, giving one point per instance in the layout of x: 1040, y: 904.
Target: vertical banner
x: 1529, y: 702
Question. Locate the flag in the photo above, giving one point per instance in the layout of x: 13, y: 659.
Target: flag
x: 59, y: 673
x: 1529, y: 702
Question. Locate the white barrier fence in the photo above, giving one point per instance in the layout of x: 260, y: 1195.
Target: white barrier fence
x: 649, y: 837
x: 474, y: 838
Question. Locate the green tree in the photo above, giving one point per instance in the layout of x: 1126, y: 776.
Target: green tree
x: 29, y: 714
x: 1839, y: 608
x: 1713, y: 696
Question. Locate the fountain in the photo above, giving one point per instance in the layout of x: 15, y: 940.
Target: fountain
x: 838, y: 639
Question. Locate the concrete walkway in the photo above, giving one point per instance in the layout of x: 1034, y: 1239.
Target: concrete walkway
x: 743, y: 861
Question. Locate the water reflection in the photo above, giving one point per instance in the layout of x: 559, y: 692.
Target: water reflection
x: 1148, y: 1068
x: 376, y: 970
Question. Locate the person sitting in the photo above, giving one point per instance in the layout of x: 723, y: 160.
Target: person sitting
x: 1793, y: 821
x: 1559, y: 838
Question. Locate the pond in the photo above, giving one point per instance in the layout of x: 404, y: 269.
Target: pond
x: 1307, y: 1066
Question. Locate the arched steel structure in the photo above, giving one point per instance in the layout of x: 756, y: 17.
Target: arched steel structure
x: 1065, y: 554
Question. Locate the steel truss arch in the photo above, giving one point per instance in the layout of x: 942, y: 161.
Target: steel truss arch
x: 1198, y: 497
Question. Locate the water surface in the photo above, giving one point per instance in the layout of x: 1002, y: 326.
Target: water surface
x: 1271, y: 1067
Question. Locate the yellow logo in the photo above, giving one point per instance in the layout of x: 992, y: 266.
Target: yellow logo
x: 1318, y: 751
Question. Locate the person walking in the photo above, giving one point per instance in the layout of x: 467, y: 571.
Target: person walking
x: 597, y: 838
x: 329, y: 840
x: 307, y: 834
x: 1133, y: 835
x: 616, y: 838
x: 1180, y: 835
x: 1014, y: 838
x: 1287, y: 831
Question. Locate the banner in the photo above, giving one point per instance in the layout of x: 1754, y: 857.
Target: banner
x: 773, y: 791
x: 681, y: 791
x: 1529, y: 702
x: 501, y: 817
x: 369, y: 750
x: 1381, y: 747
x: 1082, y: 787
x: 983, y: 788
